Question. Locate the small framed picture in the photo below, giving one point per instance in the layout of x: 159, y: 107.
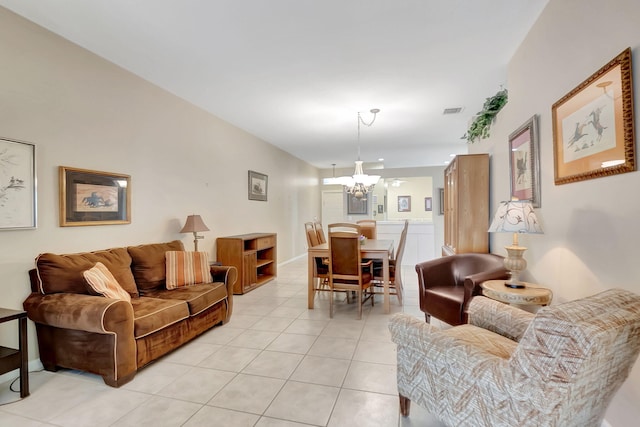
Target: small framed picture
x: 404, y: 203
x: 89, y: 197
x: 380, y: 209
x: 258, y: 186
x: 428, y: 204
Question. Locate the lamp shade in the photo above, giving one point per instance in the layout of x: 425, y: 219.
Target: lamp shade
x: 194, y: 224
x: 515, y: 217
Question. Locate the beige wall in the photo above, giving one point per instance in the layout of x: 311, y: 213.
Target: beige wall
x: 84, y: 112
x: 589, y: 244
x: 417, y: 189
x: 434, y: 173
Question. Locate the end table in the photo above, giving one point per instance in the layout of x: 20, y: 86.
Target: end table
x: 529, y: 295
x: 11, y: 358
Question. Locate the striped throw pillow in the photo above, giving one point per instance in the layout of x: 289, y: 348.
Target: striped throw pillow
x: 102, y: 282
x: 186, y: 268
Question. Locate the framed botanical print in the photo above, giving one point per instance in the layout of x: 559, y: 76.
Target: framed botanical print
x: 524, y: 162
x: 17, y: 185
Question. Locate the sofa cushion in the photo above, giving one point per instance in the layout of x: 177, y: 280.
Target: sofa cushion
x: 100, y: 281
x: 148, y: 263
x: 198, y: 297
x: 186, y: 268
x: 63, y: 273
x: 152, y: 314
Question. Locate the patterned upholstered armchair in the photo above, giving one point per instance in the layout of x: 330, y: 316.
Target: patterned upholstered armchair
x: 508, y: 367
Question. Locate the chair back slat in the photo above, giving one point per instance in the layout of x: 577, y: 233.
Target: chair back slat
x: 320, y: 232
x: 312, y: 236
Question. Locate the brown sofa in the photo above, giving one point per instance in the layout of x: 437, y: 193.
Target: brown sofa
x: 114, y: 338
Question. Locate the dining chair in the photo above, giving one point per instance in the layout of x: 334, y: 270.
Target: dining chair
x: 347, y: 272
x: 368, y: 228
x: 395, y: 267
x: 320, y: 232
x: 312, y: 234
x: 321, y: 265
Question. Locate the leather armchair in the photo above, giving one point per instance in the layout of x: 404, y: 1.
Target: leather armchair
x: 447, y: 284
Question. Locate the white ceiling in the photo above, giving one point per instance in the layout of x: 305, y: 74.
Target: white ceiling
x: 296, y: 72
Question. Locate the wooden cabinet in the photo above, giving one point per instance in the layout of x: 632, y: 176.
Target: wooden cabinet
x: 466, y: 204
x: 253, y: 255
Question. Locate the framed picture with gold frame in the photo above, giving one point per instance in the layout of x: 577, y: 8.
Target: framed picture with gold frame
x: 593, y: 133
x: 89, y: 197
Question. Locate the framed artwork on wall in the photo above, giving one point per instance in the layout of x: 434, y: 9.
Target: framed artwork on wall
x: 258, y: 183
x: 593, y: 133
x: 17, y: 185
x: 404, y: 203
x: 428, y: 204
x: 89, y: 197
x: 356, y: 206
x: 524, y: 162
x: 440, y: 201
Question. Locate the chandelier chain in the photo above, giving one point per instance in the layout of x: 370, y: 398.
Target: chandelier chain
x: 361, y: 120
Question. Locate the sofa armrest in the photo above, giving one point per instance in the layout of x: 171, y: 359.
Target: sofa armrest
x: 503, y: 319
x: 472, y: 283
x: 224, y: 273
x: 228, y: 275
x: 81, y: 312
x: 437, y: 345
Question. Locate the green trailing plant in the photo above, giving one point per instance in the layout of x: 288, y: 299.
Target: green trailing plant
x: 479, y: 128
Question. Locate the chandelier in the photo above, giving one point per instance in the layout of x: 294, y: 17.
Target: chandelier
x: 359, y: 184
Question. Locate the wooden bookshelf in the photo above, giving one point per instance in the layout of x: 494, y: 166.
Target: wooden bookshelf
x: 254, y: 255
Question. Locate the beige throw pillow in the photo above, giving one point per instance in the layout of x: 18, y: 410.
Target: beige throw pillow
x: 102, y: 282
x: 186, y: 268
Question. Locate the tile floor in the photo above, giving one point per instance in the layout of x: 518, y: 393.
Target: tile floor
x: 276, y: 363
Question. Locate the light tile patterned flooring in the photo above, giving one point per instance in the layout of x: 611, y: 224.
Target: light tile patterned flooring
x: 276, y: 363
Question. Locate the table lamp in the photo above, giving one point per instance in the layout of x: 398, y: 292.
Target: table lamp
x: 515, y: 217
x: 193, y: 225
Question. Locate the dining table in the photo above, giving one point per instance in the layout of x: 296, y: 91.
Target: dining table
x: 369, y: 249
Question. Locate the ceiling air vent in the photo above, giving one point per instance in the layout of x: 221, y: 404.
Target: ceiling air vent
x: 454, y: 110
